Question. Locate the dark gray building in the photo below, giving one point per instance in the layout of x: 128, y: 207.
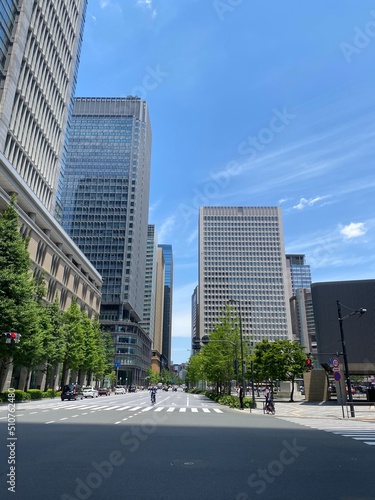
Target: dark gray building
x: 359, y: 331
x: 105, y: 201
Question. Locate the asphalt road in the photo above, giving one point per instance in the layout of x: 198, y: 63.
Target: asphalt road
x: 184, y: 447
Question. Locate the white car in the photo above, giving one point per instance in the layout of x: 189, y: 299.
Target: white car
x: 90, y: 392
x: 119, y: 390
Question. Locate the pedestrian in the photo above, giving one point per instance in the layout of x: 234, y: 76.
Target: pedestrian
x: 240, y: 396
x: 267, y: 393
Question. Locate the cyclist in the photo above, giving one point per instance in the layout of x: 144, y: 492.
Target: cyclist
x: 153, y: 394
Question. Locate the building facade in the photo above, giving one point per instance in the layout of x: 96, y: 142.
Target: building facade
x: 105, y: 199
x: 148, y: 322
x: 167, y: 314
x: 157, y: 345
x: 242, y: 261
x: 40, y: 43
x: 299, y: 271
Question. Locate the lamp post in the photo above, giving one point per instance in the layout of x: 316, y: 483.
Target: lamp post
x: 357, y: 312
x: 241, y: 341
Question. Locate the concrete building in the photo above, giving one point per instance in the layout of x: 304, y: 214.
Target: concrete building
x: 39, y: 45
x: 358, y: 331
x: 157, y: 345
x: 105, y: 199
x: 242, y: 259
x: 148, y: 322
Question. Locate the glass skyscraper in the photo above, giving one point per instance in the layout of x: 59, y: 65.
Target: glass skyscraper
x: 300, y: 272
x: 105, y: 200
x: 167, y: 315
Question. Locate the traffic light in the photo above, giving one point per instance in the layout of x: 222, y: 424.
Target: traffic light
x: 309, y: 365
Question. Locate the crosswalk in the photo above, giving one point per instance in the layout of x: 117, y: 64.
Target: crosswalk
x: 31, y: 408
x: 359, y: 431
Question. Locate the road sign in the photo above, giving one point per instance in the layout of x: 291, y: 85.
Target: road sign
x: 335, y: 362
x: 337, y: 376
x: 117, y: 364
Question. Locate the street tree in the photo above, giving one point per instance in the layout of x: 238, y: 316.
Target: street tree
x: 19, y: 311
x: 278, y: 360
x: 220, y: 352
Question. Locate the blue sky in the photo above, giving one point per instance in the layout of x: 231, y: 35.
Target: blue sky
x: 251, y: 103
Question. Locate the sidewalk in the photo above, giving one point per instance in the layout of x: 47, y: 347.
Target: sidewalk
x: 324, y: 409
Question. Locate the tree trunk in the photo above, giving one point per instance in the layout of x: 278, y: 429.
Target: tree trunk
x: 292, y: 393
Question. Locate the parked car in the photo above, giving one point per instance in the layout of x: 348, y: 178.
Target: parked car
x: 103, y: 391
x: 71, y: 392
x: 119, y: 390
x: 132, y: 388
x: 90, y: 392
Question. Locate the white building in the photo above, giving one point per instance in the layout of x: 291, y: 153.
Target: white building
x: 242, y: 260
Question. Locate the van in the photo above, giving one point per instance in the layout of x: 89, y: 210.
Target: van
x: 71, y: 392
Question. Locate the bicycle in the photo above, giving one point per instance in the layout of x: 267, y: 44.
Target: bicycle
x: 153, y: 398
x: 269, y: 408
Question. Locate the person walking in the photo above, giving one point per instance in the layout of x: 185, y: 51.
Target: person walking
x: 241, y: 396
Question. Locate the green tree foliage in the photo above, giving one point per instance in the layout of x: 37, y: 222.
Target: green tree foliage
x: 152, y: 376
x: 279, y: 360
x: 19, y: 311
x: 54, y: 340
x: 74, y: 340
x: 219, y: 354
x: 195, y: 370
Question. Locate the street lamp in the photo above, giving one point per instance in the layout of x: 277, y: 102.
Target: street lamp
x: 232, y: 301
x: 358, y: 312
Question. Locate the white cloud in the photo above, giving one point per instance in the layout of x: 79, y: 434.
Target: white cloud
x: 303, y: 202
x: 166, y: 228
x: 145, y: 3
x: 353, y: 230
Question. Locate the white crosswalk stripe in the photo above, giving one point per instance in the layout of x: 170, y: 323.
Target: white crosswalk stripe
x: 128, y: 408
x: 359, y: 431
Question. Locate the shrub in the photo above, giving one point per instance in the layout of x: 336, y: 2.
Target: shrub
x: 35, y: 393
x: 50, y: 393
x: 19, y: 396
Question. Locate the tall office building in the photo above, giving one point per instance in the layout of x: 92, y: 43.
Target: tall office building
x: 148, y: 322
x: 105, y: 201
x: 242, y: 261
x: 157, y: 345
x: 299, y: 271
x: 40, y: 43
x: 167, y: 315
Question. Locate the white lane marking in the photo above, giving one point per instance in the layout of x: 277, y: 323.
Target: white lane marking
x: 172, y: 408
x: 123, y: 408
x: 65, y: 418
x: 217, y: 410
x: 50, y: 422
x: 160, y: 408
x: 135, y: 408
x: 194, y: 410
x: 182, y: 410
x: 144, y: 409
x: 206, y: 410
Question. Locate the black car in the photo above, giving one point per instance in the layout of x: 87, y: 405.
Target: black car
x: 131, y: 388
x: 71, y: 392
x: 103, y: 391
